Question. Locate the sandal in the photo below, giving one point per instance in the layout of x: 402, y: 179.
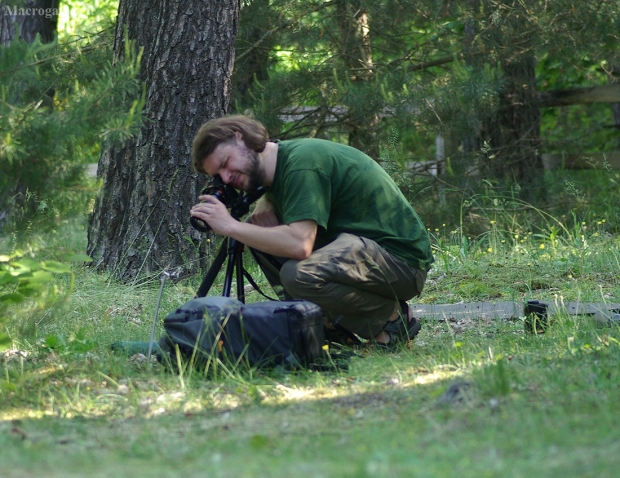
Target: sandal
x: 340, y: 335
x: 401, y: 330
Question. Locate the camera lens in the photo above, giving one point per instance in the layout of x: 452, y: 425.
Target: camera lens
x: 224, y: 193
x: 199, y: 224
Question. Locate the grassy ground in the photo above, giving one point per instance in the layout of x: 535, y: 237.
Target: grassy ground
x: 545, y: 405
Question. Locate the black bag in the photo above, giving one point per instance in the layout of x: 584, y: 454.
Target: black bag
x: 287, y: 333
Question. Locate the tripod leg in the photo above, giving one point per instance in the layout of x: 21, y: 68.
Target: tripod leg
x: 239, y: 272
x: 234, y: 252
x: 213, y: 271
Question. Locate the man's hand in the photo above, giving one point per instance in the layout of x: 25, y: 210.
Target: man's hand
x: 264, y: 214
x: 212, y: 211
x: 295, y: 240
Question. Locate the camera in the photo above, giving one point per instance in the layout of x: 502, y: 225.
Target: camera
x: 223, y: 192
x: 238, y: 203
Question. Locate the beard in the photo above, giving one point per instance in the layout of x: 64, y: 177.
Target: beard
x: 256, y: 175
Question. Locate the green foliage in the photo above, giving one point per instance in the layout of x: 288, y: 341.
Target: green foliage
x: 82, y: 18
x: 577, y: 128
x: 435, y: 68
x: 473, y: 209
x: 76, y: 343
x: 58, y: 102
x: 310, y: 82
x: 28, y: 286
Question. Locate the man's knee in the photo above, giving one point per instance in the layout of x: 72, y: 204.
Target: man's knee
x: 289, y: 277
x: 296, y: 280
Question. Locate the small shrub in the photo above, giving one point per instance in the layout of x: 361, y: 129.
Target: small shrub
x: 28, y: 287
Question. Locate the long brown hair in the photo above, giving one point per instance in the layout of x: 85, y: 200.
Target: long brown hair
x: 222, y: 130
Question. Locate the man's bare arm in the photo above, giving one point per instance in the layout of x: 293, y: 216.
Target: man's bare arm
x: 295, y: 240
x: 264, y: 214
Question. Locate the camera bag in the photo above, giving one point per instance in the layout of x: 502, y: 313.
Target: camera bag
x: 264, y: 334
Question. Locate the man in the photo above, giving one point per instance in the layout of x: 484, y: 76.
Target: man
x: 337, y: 227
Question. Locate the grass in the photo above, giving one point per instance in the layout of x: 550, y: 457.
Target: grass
x: 545, y: 405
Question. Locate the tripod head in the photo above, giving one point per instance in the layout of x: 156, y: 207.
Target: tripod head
x: 238, y: 203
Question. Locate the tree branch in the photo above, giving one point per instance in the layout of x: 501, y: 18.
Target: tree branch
x: 281, y: 26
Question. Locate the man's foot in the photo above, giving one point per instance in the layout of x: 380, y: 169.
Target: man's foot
x: 403, y: 328
x: 339, y: 335
x: 336, y: 334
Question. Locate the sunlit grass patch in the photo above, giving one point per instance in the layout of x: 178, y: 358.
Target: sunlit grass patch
x: 474, y: 396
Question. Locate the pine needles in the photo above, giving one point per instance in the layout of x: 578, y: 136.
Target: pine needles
x: 58, y: 102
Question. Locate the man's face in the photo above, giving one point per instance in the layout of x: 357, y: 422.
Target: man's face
x: 236, y: 164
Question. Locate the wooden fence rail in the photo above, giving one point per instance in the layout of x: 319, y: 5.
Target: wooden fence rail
x: 602, y: 161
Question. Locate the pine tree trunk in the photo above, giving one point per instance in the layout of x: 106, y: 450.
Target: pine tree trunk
x: 510, y: 139
x: 32, y: 17
x: 615, y: 113
x: 356, y: 53
x: 514, y: 134
x: 140, y: 225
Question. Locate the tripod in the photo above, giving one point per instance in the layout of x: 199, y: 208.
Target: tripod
x: 231, y: 250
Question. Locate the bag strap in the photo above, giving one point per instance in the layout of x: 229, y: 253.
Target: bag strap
x: 253, y: 283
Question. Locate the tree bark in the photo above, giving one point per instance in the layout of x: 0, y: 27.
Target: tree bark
x: 140, y: 225
x: 615, y: 112
x: 31, y: 17
x: 510, y: 138
x: 513, y: 135
x: 356, y: 54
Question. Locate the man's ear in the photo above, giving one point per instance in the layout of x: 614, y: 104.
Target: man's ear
x: 240, y: 141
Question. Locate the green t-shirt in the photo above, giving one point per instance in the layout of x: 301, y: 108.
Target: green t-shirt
x: 344, y: 190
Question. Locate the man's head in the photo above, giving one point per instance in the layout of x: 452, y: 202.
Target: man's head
x: 224, y: 130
